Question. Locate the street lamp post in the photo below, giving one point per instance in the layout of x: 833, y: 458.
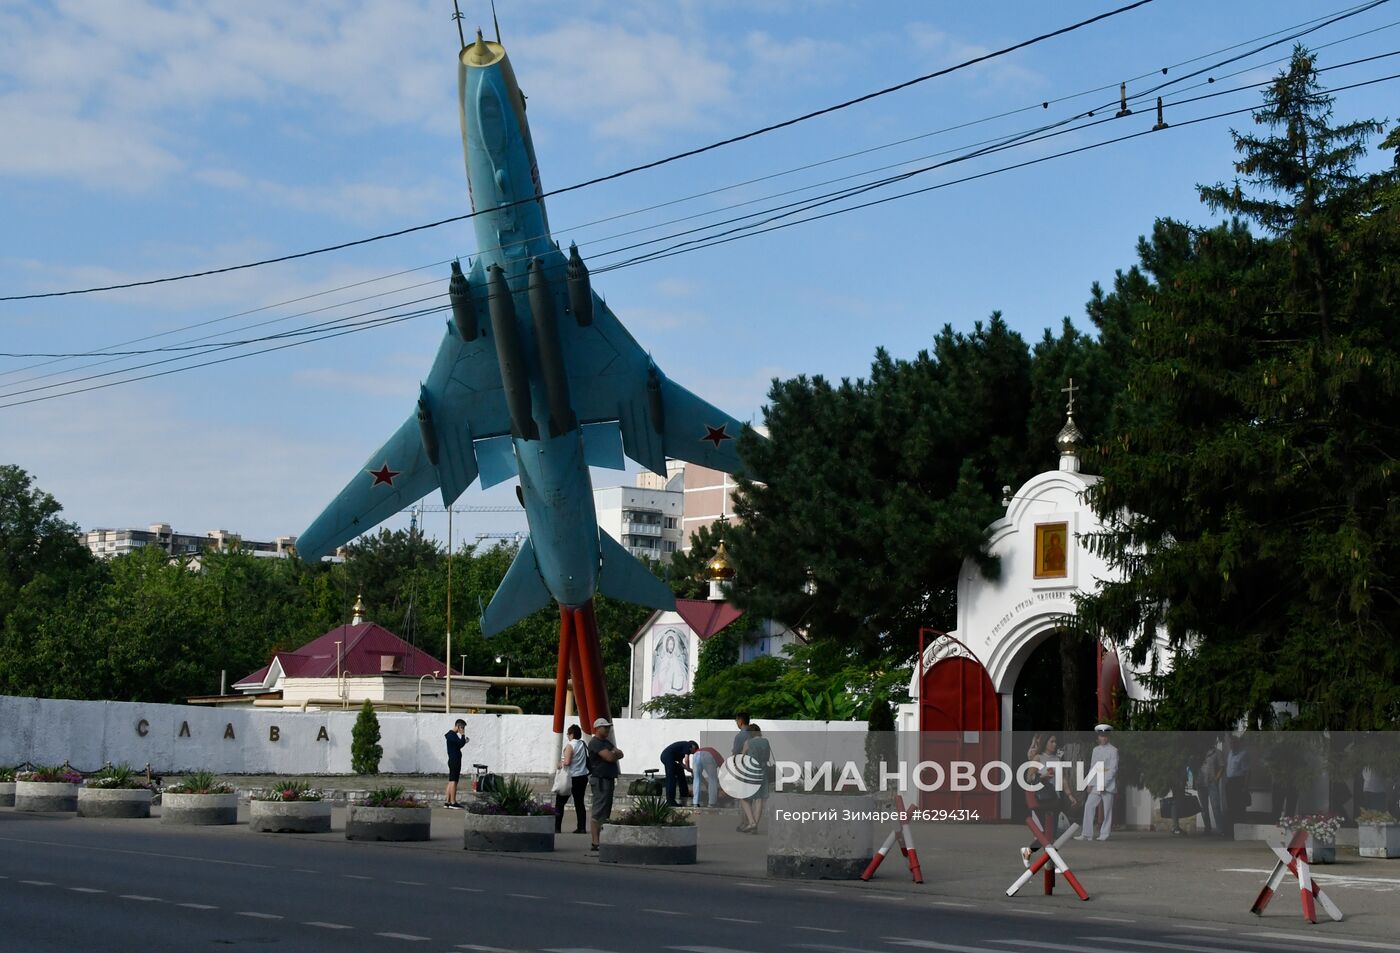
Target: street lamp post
x: 506, y: 659
x: 432, y: 674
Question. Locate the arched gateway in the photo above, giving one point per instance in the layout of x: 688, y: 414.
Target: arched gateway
x: 1005, y: 669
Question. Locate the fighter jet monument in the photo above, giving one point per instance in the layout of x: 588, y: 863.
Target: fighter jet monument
x: 535, y: 380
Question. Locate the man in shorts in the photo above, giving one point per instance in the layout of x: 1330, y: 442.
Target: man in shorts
x: 603, y: 772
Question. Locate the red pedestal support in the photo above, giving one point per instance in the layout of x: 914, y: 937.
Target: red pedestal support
x: 580, y: 663
x: 1293, y: 859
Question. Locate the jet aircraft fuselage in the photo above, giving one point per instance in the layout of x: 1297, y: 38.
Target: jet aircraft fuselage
x: 535, y: 379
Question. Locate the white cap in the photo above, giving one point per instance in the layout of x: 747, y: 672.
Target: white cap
x: 601, y: 723
x: 1103, y: 729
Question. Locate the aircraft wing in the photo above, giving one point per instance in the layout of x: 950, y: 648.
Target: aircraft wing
x: 460, y: 402
x: 612, y: 378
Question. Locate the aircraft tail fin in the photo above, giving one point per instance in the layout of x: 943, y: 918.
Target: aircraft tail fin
x: 624, y: 577
x: 521, y: 592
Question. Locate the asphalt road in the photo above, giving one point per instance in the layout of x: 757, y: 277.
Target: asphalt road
x: 117, y: 886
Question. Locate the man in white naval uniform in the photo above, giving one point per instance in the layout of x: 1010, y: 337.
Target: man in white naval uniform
x: 1103, y: 784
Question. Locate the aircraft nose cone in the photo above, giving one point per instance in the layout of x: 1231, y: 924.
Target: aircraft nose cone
x: 482, y: 53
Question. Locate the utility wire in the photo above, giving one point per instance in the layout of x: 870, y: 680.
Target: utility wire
x: 1315, y: 23
x: 763, y: 130
x: 791, y: 208
x: 981, y: 175
x: 393, y: 319
x: 702, y: 242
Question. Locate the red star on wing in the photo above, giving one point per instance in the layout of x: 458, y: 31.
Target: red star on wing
x: 383, y: 475
x: 716, y: 435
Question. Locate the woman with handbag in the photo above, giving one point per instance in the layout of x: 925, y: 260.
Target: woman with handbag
x: 571, y: 780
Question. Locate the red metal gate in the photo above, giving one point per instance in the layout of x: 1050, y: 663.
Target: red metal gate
x: 959, y: 720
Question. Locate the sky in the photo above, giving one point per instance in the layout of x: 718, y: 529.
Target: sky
x: 140, y: 139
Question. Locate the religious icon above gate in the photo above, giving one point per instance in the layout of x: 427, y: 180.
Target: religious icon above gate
x: 1051, y: 550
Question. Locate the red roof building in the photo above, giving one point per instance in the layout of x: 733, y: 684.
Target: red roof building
x: 348, y: 651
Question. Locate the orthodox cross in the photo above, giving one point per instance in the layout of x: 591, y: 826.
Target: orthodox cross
x: 1069, y: 409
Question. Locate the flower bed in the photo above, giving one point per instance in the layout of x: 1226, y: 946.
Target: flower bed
x: 199, y: 800
x: 389, y: 814
x: 47, y: 790
x: 509, y: 819
x: 651, y: 832
x: 115, y: 791
x: 294, y: 808
x: 1322, y: 834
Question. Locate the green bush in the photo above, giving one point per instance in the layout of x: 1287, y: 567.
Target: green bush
x: 880, y: 744
x: 392, y: 795
x: 200, y: 782
x: 513, y: 797
x: 653, y: 812
x: 365, y: 749
x: 118, y: 776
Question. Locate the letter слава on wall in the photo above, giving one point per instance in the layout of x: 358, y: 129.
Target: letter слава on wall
x: 228, y: 731
x: 184, y: 729
x: 142, y: 727
x: 274, y: 733
x: 322, y: 735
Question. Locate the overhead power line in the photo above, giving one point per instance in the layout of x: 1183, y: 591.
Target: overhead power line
x: 612, y: 176
x: 396, y: 318
x: 1288, y: 33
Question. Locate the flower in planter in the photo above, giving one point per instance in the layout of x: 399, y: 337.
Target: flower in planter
x: 653, y: 812
x: 1320, y: 827
x: 512, y: 797
x: 6, y: 775
x: 392, y: 796
x: 1376, y: 817
x: 291, y: 791
x: 63, y: 774
x: 118, y: 777
x: 200, y: 782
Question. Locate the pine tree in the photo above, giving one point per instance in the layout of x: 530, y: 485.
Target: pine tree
x: 1249, y: 479
x: 365, y: 749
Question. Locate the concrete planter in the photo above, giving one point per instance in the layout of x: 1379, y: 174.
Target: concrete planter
x: 1379, y: 840
x: 1319, y: 852
x: 7, y: 794
x: 503, y: 832
x: 290, y: 817
x: 656, y: 844
x: 198, y: 810
x: 820, y: 836
x: 388, y: 823
x: 114, y: 802
x: 45, y: 797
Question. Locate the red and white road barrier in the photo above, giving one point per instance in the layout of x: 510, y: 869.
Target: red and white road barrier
x: 1293, y: 859
x: 903, y: 836
x: 1049, y: 852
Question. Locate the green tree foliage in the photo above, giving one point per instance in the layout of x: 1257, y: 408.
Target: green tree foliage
x: 365, y: 749
x: 1250, y: 479
x: 36, y: 545
x: 142, y: 627
x: 878, y: 489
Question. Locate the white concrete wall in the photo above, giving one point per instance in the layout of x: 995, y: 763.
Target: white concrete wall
x: 87, y: 734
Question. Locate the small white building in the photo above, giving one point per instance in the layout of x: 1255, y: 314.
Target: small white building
x: 994, y: 672
x: 666, y: 649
